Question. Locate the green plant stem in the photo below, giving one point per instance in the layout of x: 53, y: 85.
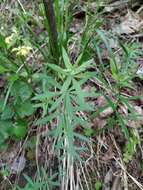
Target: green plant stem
x: 26, y: 67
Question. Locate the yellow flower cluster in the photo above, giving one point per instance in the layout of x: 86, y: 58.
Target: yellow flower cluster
x: 22, y: 50
x: 10, y: 39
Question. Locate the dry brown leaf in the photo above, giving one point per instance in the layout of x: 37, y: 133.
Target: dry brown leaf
x: 18, y: 165
x: 131, y: 24
x: 115, y: 6
x: 101, y: 101
x: 99, y: 123
x: 123, y: 109
x: 107, y: 180
x: 116, y: 183
x: 139, y: 110
x: 108, y: 155
x: 107, y: 112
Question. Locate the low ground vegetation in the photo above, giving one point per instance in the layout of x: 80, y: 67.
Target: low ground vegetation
x: 71, y: 95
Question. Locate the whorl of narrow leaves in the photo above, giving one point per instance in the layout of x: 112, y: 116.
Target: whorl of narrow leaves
x: 50, y: 15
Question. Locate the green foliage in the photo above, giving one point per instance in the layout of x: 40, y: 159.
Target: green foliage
x: 98, y: 185
x: 130, y: 148
x: 122, y: 72
x: 42, y: 182
x: 20, y: 128
x: 52, y: 85
x: 15, y: 107
x: 68, y: 100
x: 5, y: 171
x: 22, y: 90
x: 5, y: 131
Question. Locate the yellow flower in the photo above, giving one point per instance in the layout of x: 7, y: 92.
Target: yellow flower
x: 22, y: 50
x: 9, y: 39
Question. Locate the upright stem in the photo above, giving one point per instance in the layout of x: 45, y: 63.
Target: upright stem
x: 50, y: 15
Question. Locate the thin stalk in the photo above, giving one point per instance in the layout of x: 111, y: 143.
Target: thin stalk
x: 53, y: 34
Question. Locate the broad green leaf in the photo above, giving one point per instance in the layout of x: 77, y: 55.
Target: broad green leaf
x: 21, y: 89
x: 20, y: 128
x: 2, y: 69
x: 5, y: 124
x: 7, y: 63
x: 13, y: 78
x: 24, y: 109
x: 7, y: 113
x: 5, y: 131
x: 98, y: 185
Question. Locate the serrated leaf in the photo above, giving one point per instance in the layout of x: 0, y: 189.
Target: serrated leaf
x: 40, y: 77
x: 66, y: 85
x: 66, y: 59
x: 68, y: 106
x: 46, y: 119
x: 78, y: 91
x: 81, y: 137
x: 46, y: 95
x: 57, y: 69
x: 56, y: 103
x: 83, y: 67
